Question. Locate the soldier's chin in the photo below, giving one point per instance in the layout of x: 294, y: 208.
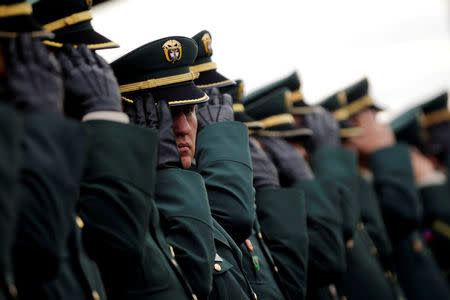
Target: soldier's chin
x: 186, y: 161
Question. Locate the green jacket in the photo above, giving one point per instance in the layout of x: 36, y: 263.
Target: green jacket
x: 398, y: 196
x: 11, y: 134
x: 223, y: 160
x: 122, y: 225
x: 436, y: 207
x: 282, y: 215
x: 48, y: 258
x: 187, y: 224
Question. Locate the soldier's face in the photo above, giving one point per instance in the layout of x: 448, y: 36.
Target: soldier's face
x: 185, y: 129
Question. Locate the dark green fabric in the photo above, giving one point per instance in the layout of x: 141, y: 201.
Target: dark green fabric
x: 436, y: 206
x: 418, y: 273
x: 229, y: 282
x: 397, y: 193
x: 364, y: 278
x: 372, y: 218
x: 53, y: 159
x: 264, y: 280
x: 79, y: 276
x: 337, y: 169
x: 121, y: 219
x: 326, y: 246
x: 223, y: 160
x: 11, y: 133
x: 182, y: 201
x: 282, y: 215
x: 271, y: 104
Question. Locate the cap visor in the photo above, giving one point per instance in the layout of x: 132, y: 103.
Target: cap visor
x: 185, y: 93
x: 347, y: 130
x: 286, y: 131
x: 247, y: 120
x: 212, y: 78
x: 10, y: 27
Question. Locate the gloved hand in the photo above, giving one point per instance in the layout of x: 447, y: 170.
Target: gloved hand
x: 265, y: 173
x: 34, y: 79
x: 439, y: 138
x: 291, y: 166
x: 89, y: 82
x: 219, y: 108
x: 145, y: 113
x: 325, y: 129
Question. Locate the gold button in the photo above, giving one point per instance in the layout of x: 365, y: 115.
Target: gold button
x: 79, y: 221
x: 373, y: 250
x: 275, y: 268
x: 171, y: 251
x: 417, y: 246
x: 360, y: 226
x: 217, y: 267
x: 12, y: 289
x: 350, y: 244
x: 260, y: 235
x: 174, y: 263
x: 95, y: 295
x: 194, y: 297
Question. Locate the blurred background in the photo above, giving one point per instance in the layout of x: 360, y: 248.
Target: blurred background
x: 402, y: 46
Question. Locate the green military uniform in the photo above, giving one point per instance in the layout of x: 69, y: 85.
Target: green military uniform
x: 49, y: 260
x: 227, y: 172
x: 410, y: 127
x: 326, y: 248
x: 399, y: 202
x: 275, y: 255
x: 122, y: 224
x: 184, y: 209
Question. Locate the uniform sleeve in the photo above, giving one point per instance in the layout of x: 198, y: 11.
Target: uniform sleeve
x: 374, y: 224
x: 116, y: 193
x: 337, y: 170
x: 326, y: 245
x: 11, y: 133
x: 396, y: 190
x: 282, y: 216
x: 187, y: 223
x: 223, y: 160
x: 53, y: 156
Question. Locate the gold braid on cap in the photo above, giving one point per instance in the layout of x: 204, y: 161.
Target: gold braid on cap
x: 15, y: 10
x: 277, y: 120
x: 203, y: 67
x: 435, y: 117
x: 68, y: 21
x: 152, y: 83
x: 358, y: 105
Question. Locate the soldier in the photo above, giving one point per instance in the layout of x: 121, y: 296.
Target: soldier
x: 393, y: 180
x: 325, y: 231
x: 428, y: 162
x: 275, y: 255
x: 186, y: 208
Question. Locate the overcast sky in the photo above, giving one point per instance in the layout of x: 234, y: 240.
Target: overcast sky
x: 402, y: 46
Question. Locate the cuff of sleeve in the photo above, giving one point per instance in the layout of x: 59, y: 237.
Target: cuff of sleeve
x: 435, y: 178
x: 115, y: 116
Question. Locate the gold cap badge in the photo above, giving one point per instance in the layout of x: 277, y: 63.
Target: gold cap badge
x: 342, y: 98
x: 172, y: 50
x: 206, y: 38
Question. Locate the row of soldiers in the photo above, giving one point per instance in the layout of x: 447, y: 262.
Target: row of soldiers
x: 155, y: 177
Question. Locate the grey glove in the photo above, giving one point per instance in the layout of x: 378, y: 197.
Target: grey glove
x: 219, y: 108
x: 145, y: 113
x: 33, y: 76
x: 89, y: 82
x: 291, y: 166
x: 264, y: 171
x: 439, y: 141
x: 325, y: 129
